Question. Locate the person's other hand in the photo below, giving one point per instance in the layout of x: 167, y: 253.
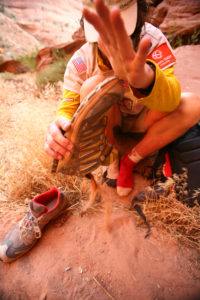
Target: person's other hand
x: 56, y: 145
x: 117, y: 46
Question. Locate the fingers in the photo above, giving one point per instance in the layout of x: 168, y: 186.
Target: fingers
x: 56, y: 145
x: 51, y: 152
x: 93, y: 19
x: 142, y: 52
x: 63, y: 123
x: 102, y: 22
x: 123, y: 41
x: 105, y: 15
x: 116, y: 43
x: 145, y: 73
x: 53, y: 148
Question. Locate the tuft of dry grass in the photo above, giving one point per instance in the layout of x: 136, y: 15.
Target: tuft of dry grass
x: 166, y: 212
x: 25, y: 169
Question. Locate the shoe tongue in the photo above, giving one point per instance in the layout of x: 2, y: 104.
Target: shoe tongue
x: 37, y: 209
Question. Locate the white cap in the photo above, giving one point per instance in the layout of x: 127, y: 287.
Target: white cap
x: 128, y: 12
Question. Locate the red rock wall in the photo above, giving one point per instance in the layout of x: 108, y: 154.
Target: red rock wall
x: 177, y: 18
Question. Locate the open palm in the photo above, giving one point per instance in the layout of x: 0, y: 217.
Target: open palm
x: 117, y: 46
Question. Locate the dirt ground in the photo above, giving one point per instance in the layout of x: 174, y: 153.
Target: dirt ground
x: 81, y: 257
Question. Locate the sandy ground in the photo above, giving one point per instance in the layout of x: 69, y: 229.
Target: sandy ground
x: 79, y: 258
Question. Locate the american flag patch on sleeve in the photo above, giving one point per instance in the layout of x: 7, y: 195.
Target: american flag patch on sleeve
x: 79, y: 65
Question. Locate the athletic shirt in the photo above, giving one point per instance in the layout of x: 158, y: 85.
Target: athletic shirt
x: 86, y: 62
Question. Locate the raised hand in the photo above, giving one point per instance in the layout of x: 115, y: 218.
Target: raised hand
x: 117, y: 46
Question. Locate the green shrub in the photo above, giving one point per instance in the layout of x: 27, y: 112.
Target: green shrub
x: 54, y: 72
x: 2, y: 9
x: 195, y: 37
x: 29, y: 60
x: 187, y: 39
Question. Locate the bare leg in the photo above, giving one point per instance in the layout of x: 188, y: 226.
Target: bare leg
x: 162, y: 128
x: 89, y: 85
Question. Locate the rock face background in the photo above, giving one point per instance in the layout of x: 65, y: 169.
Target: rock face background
x: 177, y: 18
x: 40, y: 25
x: 27, y: 25
x: 36, y: 24
x: 187, y: 67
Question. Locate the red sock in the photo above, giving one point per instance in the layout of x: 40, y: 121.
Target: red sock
x: 125, y: 178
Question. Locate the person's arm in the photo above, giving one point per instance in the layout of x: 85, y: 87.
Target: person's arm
x: 132, y: 66
x: 70, y: 103
x: 56, y: 144
x: 165, y: 92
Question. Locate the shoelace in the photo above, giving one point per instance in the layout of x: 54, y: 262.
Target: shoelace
x: 29, y: 227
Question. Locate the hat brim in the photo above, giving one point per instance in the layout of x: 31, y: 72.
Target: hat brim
x: 129, y: 17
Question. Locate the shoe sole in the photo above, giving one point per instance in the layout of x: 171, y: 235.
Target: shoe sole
x: 87, y: 131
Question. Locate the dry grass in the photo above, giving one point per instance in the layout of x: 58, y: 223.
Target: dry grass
x: 166, y: 212
x: 181, y: 221
x: 25, y: 169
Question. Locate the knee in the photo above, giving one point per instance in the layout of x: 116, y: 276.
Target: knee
x: 89, y: 85
x: 189, y: 108
x: 192, y: 97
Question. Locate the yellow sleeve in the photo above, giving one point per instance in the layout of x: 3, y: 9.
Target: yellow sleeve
x: 69, y: 104
x: 166, y: 93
